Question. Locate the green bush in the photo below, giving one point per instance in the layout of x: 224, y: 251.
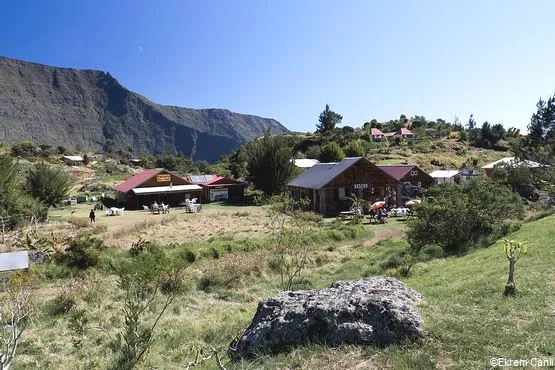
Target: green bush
x: 189, y: 256
x: 82, y: 253
x: 477, y: 209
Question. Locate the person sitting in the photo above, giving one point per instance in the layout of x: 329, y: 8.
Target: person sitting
x: 382, y: 217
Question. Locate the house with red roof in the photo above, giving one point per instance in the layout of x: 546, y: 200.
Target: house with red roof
x: 216, y: 188
x: 155, y: 185
x: 404, y: 133
x: 376, y: 134
x: 409, y: 173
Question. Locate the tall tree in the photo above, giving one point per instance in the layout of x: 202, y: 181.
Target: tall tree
x: 328, y: 120
x: 49, y: 185
x: 270, y: 163
x: 542, y: 123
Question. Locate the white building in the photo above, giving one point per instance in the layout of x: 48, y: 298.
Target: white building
x: 511, y: 162
x: 441, y: 176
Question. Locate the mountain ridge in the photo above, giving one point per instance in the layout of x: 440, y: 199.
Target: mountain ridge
x: 84, y: 109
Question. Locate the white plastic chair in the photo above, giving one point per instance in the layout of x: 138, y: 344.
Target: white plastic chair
x: 109, y: 212
x: 145, y: 208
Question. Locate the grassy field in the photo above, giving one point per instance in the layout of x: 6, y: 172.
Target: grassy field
x: 466, y: 318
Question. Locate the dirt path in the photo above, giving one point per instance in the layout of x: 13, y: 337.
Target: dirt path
x: 384, y: 234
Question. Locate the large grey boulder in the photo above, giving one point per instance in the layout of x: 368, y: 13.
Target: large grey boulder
x: 378, y: 310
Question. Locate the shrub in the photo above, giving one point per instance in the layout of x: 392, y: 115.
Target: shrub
x: 189, y: 256
x: 82, y: 253
x: 79, y: 222
x: 354, y: 149
x: 331, y: 152
x: 479, y: 209
x: 231, y: 269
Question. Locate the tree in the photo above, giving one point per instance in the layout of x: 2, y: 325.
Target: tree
x: 542, y: 123
x: 291, y: 254
x: 143, y: 279
x: 49, y: 185
x: 354, y: 149
x: 513, y: 251
x: 328, y: 120
x: 331, y: 152
x: 270, y: 163
x: 16, y: 306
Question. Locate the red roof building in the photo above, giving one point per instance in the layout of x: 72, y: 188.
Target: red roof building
x: 376, y: 134
x: 155, y: 185
x: 404, y: 133
x: 217, y: 188
x: 410, y: 173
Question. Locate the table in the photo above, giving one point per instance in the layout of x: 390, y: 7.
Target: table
x: 346, y: 215
x: 193, y: 208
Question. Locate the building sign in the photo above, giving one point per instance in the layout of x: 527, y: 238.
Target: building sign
x: 360, y: 186
x: 14, y: 261
x: 163, y: 177
x: 218, y: 194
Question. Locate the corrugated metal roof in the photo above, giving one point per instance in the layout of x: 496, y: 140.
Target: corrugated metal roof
x: 375, y: 132
x: 137, y: 180
x: 74, y: 158
x: 317, y: 176
x: 398, y: 171
x: 443, y: 173
x: 197, y: 179
x: 511, y: 161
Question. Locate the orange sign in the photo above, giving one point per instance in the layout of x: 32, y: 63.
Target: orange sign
x: 164, y: 177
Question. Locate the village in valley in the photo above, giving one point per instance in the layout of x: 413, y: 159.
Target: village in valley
x: 268, y: 185
x: 285, y: 212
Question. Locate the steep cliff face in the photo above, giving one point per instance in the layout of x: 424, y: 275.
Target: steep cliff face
x: 82, y: 109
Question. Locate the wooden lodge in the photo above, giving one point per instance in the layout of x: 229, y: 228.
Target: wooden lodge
x: 218, y: 188
x: 328, y: 184
x: 155, y: 185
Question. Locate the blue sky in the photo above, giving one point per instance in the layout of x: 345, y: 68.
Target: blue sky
x: 287, y: 59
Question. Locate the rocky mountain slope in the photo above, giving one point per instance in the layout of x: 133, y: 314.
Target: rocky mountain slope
x: 83, y: 109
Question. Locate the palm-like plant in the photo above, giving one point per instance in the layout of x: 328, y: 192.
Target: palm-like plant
x: 357, y: 205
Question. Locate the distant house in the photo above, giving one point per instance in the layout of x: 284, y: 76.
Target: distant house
x: 217, y: 188
x: 73, y: 160
x: 441, y: 176
x: 512, y: 162
x: 305, y: 163
x: 432, y: 132
x: 327, y: 185
x: 404, y: 133
x: 409, y: 173
x: 376, y: 134
x: 470, y: 173
x: 155, y: 185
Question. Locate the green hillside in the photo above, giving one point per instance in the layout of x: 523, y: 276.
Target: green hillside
x: 467, y: 319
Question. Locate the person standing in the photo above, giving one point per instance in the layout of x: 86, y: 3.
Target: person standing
x: 92, y: 216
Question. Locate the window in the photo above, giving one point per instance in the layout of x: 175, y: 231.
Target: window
x: 341, y: 193
x: 414, y: 173
x: 419, y: 184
